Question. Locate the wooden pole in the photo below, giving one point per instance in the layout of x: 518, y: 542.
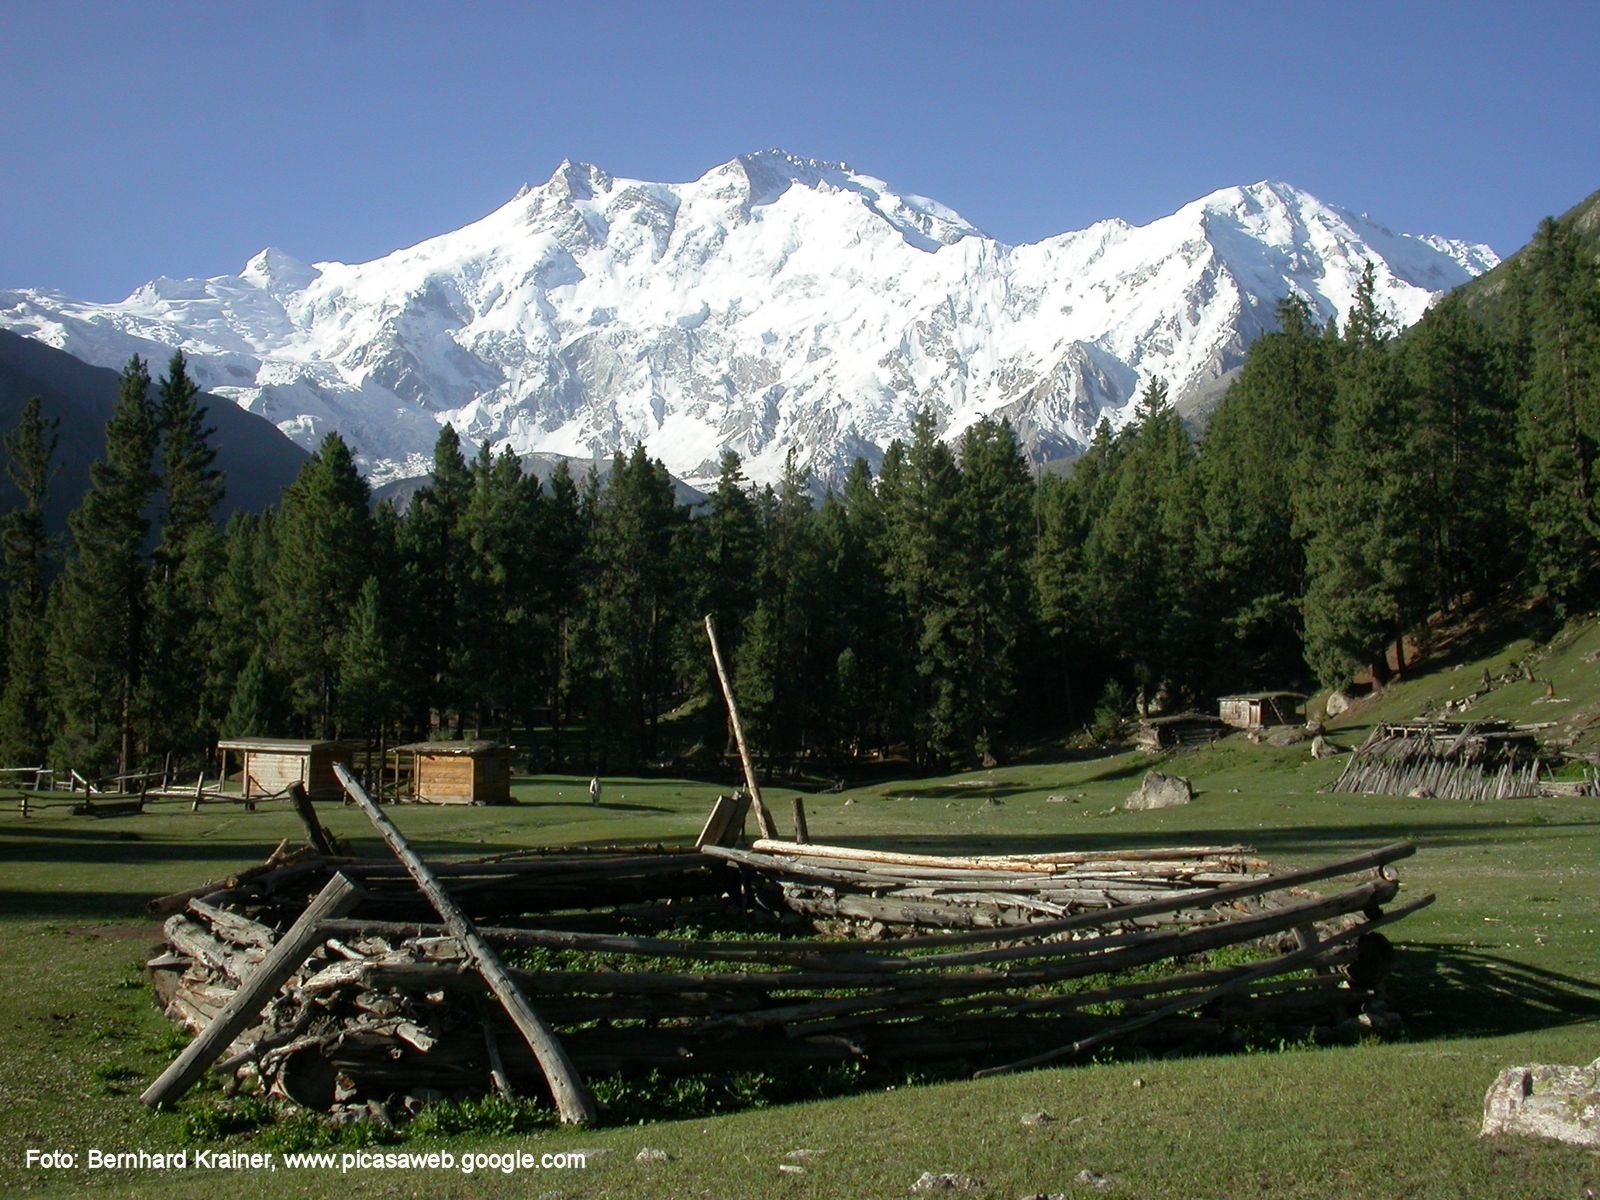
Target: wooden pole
x: 282, y: 961
x: 319, y: 837
x: 763, y: 817
x: 572, y: 1101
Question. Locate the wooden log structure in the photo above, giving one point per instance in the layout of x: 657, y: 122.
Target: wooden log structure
x: 993, y: 961
x: 572, y: 1100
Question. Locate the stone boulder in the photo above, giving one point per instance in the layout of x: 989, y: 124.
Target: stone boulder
x: 1159, y: 791
x: 1337, y: 703
x: 1546, y: 1101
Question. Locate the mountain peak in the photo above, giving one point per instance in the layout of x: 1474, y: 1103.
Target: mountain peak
x: 778, y: 303
x: 278, y: 273
x: 579, y: 180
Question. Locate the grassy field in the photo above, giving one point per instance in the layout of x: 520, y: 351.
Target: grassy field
x: 1503, y: 969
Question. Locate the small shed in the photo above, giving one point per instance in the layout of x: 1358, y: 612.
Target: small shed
x: 458, y: 772
x: 1260, y: 709
x: 1179, y: 731
x: 271, y: 765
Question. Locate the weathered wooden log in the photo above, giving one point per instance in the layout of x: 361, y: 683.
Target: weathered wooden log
x: 572, y: 1100
x: 282, y: 961
x: 726, y: 822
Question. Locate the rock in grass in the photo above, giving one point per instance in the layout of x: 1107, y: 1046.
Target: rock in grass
x: 948, y: 1181
x: 1159, y: 791
x: 649, y: 1156
x: 1038, y: 1118
x: 1092, y: 1179
x: 1562, y: 1103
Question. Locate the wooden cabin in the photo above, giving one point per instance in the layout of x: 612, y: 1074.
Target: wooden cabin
x: 457, y: 772
x: 271, y: 765
x: 1258, y: 710
x: 1179, y: 731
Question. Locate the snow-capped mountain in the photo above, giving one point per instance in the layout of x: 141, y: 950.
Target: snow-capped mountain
x: 775, y: 303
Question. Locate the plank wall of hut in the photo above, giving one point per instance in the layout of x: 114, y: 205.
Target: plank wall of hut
x: 1257, y: 710
x: 1454, y: 760
x: 477, y: 772
x: 270, y: 766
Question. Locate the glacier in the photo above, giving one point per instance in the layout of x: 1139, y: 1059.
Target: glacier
x: 775, y: 305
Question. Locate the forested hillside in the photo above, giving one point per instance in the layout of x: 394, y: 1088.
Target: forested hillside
x: 1350, y: 484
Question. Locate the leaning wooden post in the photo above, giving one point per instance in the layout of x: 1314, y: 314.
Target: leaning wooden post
x: 336, y: 899
x: 763, y: 817
x: 572, y: 1101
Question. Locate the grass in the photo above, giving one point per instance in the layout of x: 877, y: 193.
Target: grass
x: 1503, y: 969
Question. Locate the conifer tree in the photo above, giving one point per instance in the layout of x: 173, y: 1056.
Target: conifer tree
x: 1366, y: 582
x: 324, y: 539
x: 25, y: 701
x: 99, y: 628
x: 1559, y: 414
x: 729, y: 538
x: 1261, y: 451
x: 992, y: 556
x: 237, y: 621
x: 172, y: 693
x: 1138, y: 555
x: 637, y: 601
x: 366, y: 676
x: 433, y: 550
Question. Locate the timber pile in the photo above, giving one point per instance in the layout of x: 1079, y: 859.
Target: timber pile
x: 362, y: 999
x: 1476, y: 760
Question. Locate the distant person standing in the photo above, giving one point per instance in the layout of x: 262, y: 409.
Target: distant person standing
x: 594, y: 790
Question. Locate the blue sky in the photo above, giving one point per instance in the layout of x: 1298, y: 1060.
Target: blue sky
x: 177, y: 138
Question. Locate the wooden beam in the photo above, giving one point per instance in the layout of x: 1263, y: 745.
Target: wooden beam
x: 282, y: 961
x: 572, y: 1100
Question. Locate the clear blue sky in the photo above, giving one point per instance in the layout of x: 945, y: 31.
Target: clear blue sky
x: 177, y: 138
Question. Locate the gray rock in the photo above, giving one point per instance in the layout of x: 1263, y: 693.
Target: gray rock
x: 1336, y: 704
x: 947, y: 1181
x: 1556, y: 1102
x: 1159, y: 791
x: 652, y: 1156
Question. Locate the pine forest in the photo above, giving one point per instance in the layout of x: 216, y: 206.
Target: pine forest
x: 948, y: 610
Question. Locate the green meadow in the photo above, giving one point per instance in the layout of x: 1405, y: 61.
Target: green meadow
x: 1502, y: 969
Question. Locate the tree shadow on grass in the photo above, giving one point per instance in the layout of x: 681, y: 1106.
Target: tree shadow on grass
x: 980, y: 789
x: 1446, y: 991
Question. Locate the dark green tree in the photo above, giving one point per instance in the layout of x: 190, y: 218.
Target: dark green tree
x: 994, y: 547
x: 434, y: 556
x: 324, y: 543
x: 98, y: 616
x: 171, y: 701
x: 1366, y: 578
x: 1262, y: 449
x: 1558, y: 436
x: 25, y: 702
x: 1139, y: 552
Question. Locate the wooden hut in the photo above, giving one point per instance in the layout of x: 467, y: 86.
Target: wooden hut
x: 1260, y: 709
x: 457, y: 772
x: 1179, y: 731
x: 271, y: 765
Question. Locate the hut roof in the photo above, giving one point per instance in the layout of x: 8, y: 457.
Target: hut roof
x: 455, y: 749
x: 271, y: 744
x: 1265, y: 696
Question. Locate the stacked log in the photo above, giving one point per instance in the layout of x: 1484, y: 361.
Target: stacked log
x: 991, y: 962
x: 1472, y: 761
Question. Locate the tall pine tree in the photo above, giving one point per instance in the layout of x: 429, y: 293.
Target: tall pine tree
x: 98, y: 615
x: 25, y: 702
